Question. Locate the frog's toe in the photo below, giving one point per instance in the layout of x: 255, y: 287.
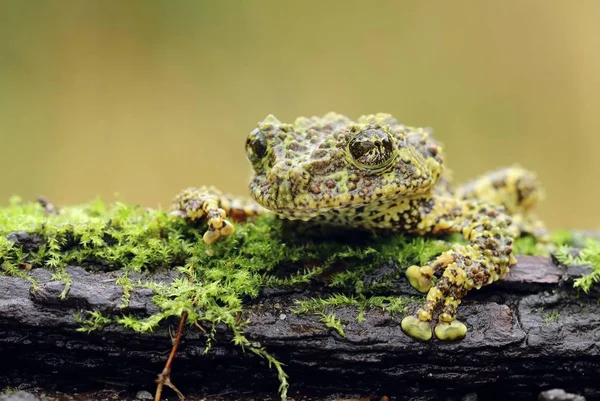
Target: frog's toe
x: 416, y: 328
x: 227, y: 229
x: 216, y: 222
x: 417, y: 279
x: 216, y: 217
x: 211, y: 236
x: 194, y: 214
x: 213, y: 233
x: 450, y: 331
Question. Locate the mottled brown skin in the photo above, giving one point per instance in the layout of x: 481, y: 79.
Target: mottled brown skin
x: 377, y: 174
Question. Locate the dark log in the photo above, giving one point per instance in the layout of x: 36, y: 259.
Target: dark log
x: 527, y: 333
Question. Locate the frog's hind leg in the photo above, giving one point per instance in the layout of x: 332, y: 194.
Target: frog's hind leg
x: 515, y: 188
x: 214, y: 206
x: 484, y: 260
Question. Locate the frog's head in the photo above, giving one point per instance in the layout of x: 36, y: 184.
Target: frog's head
x: 330, y: 164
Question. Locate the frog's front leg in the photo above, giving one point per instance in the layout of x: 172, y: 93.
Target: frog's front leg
x: 210, y: 203
x: 486, y: 258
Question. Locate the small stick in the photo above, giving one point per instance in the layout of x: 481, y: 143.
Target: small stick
x: 49, y: 208
x: 164, y: 378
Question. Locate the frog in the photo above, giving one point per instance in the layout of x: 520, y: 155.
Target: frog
x: 376, y: 174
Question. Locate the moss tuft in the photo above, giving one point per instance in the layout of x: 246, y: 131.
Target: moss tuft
x: 215, y: 281
x: 550, y: 317
x: 528, y: 245
x: 331, y: 321
x: 588, y: 254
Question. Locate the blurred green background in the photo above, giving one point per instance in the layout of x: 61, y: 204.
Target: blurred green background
x: 143, y: 98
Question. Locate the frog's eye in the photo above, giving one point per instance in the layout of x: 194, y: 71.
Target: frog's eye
x: 372, y: 149
x: 256, y: 147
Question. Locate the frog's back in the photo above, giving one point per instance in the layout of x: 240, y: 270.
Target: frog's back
x: 334, y: 169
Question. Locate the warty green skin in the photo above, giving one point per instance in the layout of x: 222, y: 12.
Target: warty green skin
x: 377, y: 174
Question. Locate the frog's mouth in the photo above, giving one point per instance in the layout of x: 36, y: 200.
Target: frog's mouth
x: 307, y: 205
x: 312, y: 214
x: 297, y: 192
x: 289, y: 199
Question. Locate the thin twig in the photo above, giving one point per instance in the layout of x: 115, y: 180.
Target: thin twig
x: 164, y: 378
x: 49, y: 208
x: 199, y: 327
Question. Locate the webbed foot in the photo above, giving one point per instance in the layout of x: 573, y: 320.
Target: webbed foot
x: 450, y: 331
x: 420, y: 276
x: 204, y: 202
x: 416, y: 328
x: 464, y: 268
x: 213, y: 233
x: 486, y: 258
x: 418, y: 279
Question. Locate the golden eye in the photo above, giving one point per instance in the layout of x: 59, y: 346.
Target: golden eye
x: 372, y: 149
x: 256, y: 147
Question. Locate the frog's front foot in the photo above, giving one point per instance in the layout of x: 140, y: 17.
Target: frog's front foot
x: 420, y: 276
x: 421, y: 329
x: 203, y: 202
x: 464, y: 268
x: 416, y: 328
x: 450, y: 331
x: 217, y: 226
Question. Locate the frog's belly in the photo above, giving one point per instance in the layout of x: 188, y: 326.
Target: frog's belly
x: 399, y: 215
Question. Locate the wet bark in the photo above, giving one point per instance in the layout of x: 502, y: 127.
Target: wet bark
x: 527, y: 333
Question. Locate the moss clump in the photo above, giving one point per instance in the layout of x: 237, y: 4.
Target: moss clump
x: 570, y: 248
x: 576, y: 249
x: 550, y: 317
x: 528, y: 245
x: 215, y: 281
x: 92, y: 235
x: 326, y: 306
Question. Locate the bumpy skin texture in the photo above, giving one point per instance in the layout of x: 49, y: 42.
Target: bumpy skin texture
x: 377, y: 174
x: 211, y: 204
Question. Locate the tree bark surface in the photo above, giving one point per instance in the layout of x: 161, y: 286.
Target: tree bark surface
x: 527, y: 333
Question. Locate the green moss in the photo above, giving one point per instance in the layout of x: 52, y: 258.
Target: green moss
x: 589, y: 254
x: 327, y: 305
x: 93, y: 321
x: 527, y: 245
x: 215, y: 282
x: 61, y: 275
x: 8, y: 390
x: 109, y: 238
x: 550, y: 317
x: 127, y: 286
x: 570, y: 248
x: 319, y: 305
x: 331, y: 321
